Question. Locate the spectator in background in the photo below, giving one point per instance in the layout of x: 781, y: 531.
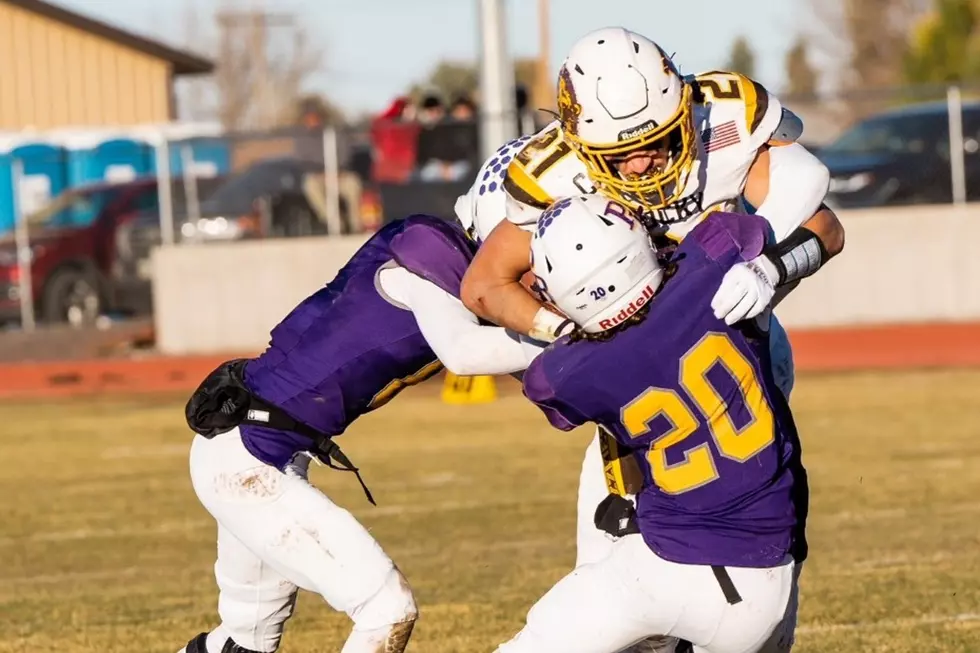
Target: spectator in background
x: 447, y: 149
x: 431, y: 110
x: 394, y: 137
x: 463, y: 110
x: 466, y: 135
x: 525, y: 115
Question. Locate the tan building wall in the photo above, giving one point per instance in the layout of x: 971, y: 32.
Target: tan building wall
x: 55, y: 75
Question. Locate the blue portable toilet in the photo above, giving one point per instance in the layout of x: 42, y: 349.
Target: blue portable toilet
x: 209, y: 157
x: 95, y: 156
x: 44, y: 175
x: 203, y: 142
x: 213, y: 154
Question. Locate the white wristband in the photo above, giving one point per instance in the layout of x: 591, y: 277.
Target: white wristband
x: 548, y: 326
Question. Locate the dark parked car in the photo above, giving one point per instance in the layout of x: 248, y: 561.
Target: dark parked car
x: 271, y: 198
x: 902, y: 157
x: 275, y: 197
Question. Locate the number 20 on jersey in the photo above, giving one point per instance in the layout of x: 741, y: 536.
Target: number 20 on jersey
x: 698, y: 467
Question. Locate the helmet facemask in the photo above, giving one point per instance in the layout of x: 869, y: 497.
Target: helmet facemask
x: 661, y: 185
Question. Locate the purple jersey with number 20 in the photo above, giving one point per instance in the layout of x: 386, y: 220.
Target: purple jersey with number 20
x: 694, y: 401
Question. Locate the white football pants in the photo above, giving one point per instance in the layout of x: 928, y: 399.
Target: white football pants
x: 631, y: 594
x: 277, y: 533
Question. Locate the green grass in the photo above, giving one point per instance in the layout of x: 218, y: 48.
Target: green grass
x: 105, y: 548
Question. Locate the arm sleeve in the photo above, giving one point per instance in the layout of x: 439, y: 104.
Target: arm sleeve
x: 538, y: 388
x: 798, y: 183
x: 464, y: 346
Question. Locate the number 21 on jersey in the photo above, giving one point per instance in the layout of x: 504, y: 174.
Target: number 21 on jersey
x: 698, y: 467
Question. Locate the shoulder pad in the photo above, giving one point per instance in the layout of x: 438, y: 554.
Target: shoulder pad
x: 537, y: 157
x: 790, y: 127
x: 436, y: 250
x: 524, y: 188
x: 720, y: 86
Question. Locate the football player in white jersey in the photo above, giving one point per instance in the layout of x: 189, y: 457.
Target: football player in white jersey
x: 675, y: 149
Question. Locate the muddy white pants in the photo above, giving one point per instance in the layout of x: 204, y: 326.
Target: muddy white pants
x: 277, y: 533
x: 632, y: 593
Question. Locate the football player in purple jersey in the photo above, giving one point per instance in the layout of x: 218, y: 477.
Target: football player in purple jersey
x: 712, y: 552
x: 391, y: 318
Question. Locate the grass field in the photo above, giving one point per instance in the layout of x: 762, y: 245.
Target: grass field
x: 105, y: 548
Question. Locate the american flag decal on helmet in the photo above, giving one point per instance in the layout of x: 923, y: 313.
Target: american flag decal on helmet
x: 716, y: 138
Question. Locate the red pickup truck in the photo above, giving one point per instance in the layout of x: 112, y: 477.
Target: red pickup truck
x: 78, y: 261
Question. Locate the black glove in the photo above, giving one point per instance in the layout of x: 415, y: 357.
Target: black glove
x: 221, y: 402
x: 615, y: 515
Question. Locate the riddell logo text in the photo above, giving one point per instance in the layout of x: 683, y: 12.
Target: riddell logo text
x: 645, y: 296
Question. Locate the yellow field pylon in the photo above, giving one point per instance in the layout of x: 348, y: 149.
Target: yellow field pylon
x: 469, y: 389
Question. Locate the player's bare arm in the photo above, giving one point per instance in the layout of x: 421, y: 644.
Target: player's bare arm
x: 492, y: 286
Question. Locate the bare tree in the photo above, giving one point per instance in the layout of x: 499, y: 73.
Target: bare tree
x: 801, y: 76
x: 196, y: 94
x: 451, y: 79
x: 263, y: 63
x: 741, y: 58
x: 865, y: 40
x: 289, y: 71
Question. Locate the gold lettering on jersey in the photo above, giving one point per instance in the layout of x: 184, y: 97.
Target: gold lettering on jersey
x: 701, y: 398
x: 389, y: 392
x: 611, y: 463
x: 568, y: 107
x: 560, y: 152
x: 718, y: 85
x: 537, y: 146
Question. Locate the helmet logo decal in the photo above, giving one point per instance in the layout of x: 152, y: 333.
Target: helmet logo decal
x: 628, y: 134
x: 668, y: 61
x: 549, y: 216
x: 569, y: 109
x: 617, y: 210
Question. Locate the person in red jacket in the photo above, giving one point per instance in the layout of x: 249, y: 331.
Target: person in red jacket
x: 394, y: 140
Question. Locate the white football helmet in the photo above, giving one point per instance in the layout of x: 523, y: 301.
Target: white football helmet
x: 619, y: 95
x: 594, y: 261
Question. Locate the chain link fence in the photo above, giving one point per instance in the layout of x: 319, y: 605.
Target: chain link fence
x: 81, y: 212
x: 903, y: 145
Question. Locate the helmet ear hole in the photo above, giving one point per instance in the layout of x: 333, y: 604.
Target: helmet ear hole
x: 548, y: 263
x: 578, y: 247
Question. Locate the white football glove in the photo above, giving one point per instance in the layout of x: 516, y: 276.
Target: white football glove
x: 746, y: 290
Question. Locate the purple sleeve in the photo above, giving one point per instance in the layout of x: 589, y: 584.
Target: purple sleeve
x: 721, y: 233
x: 435, y: 250
x: 538, y: 388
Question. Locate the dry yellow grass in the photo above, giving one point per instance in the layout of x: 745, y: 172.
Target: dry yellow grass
x: 105, y: 548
